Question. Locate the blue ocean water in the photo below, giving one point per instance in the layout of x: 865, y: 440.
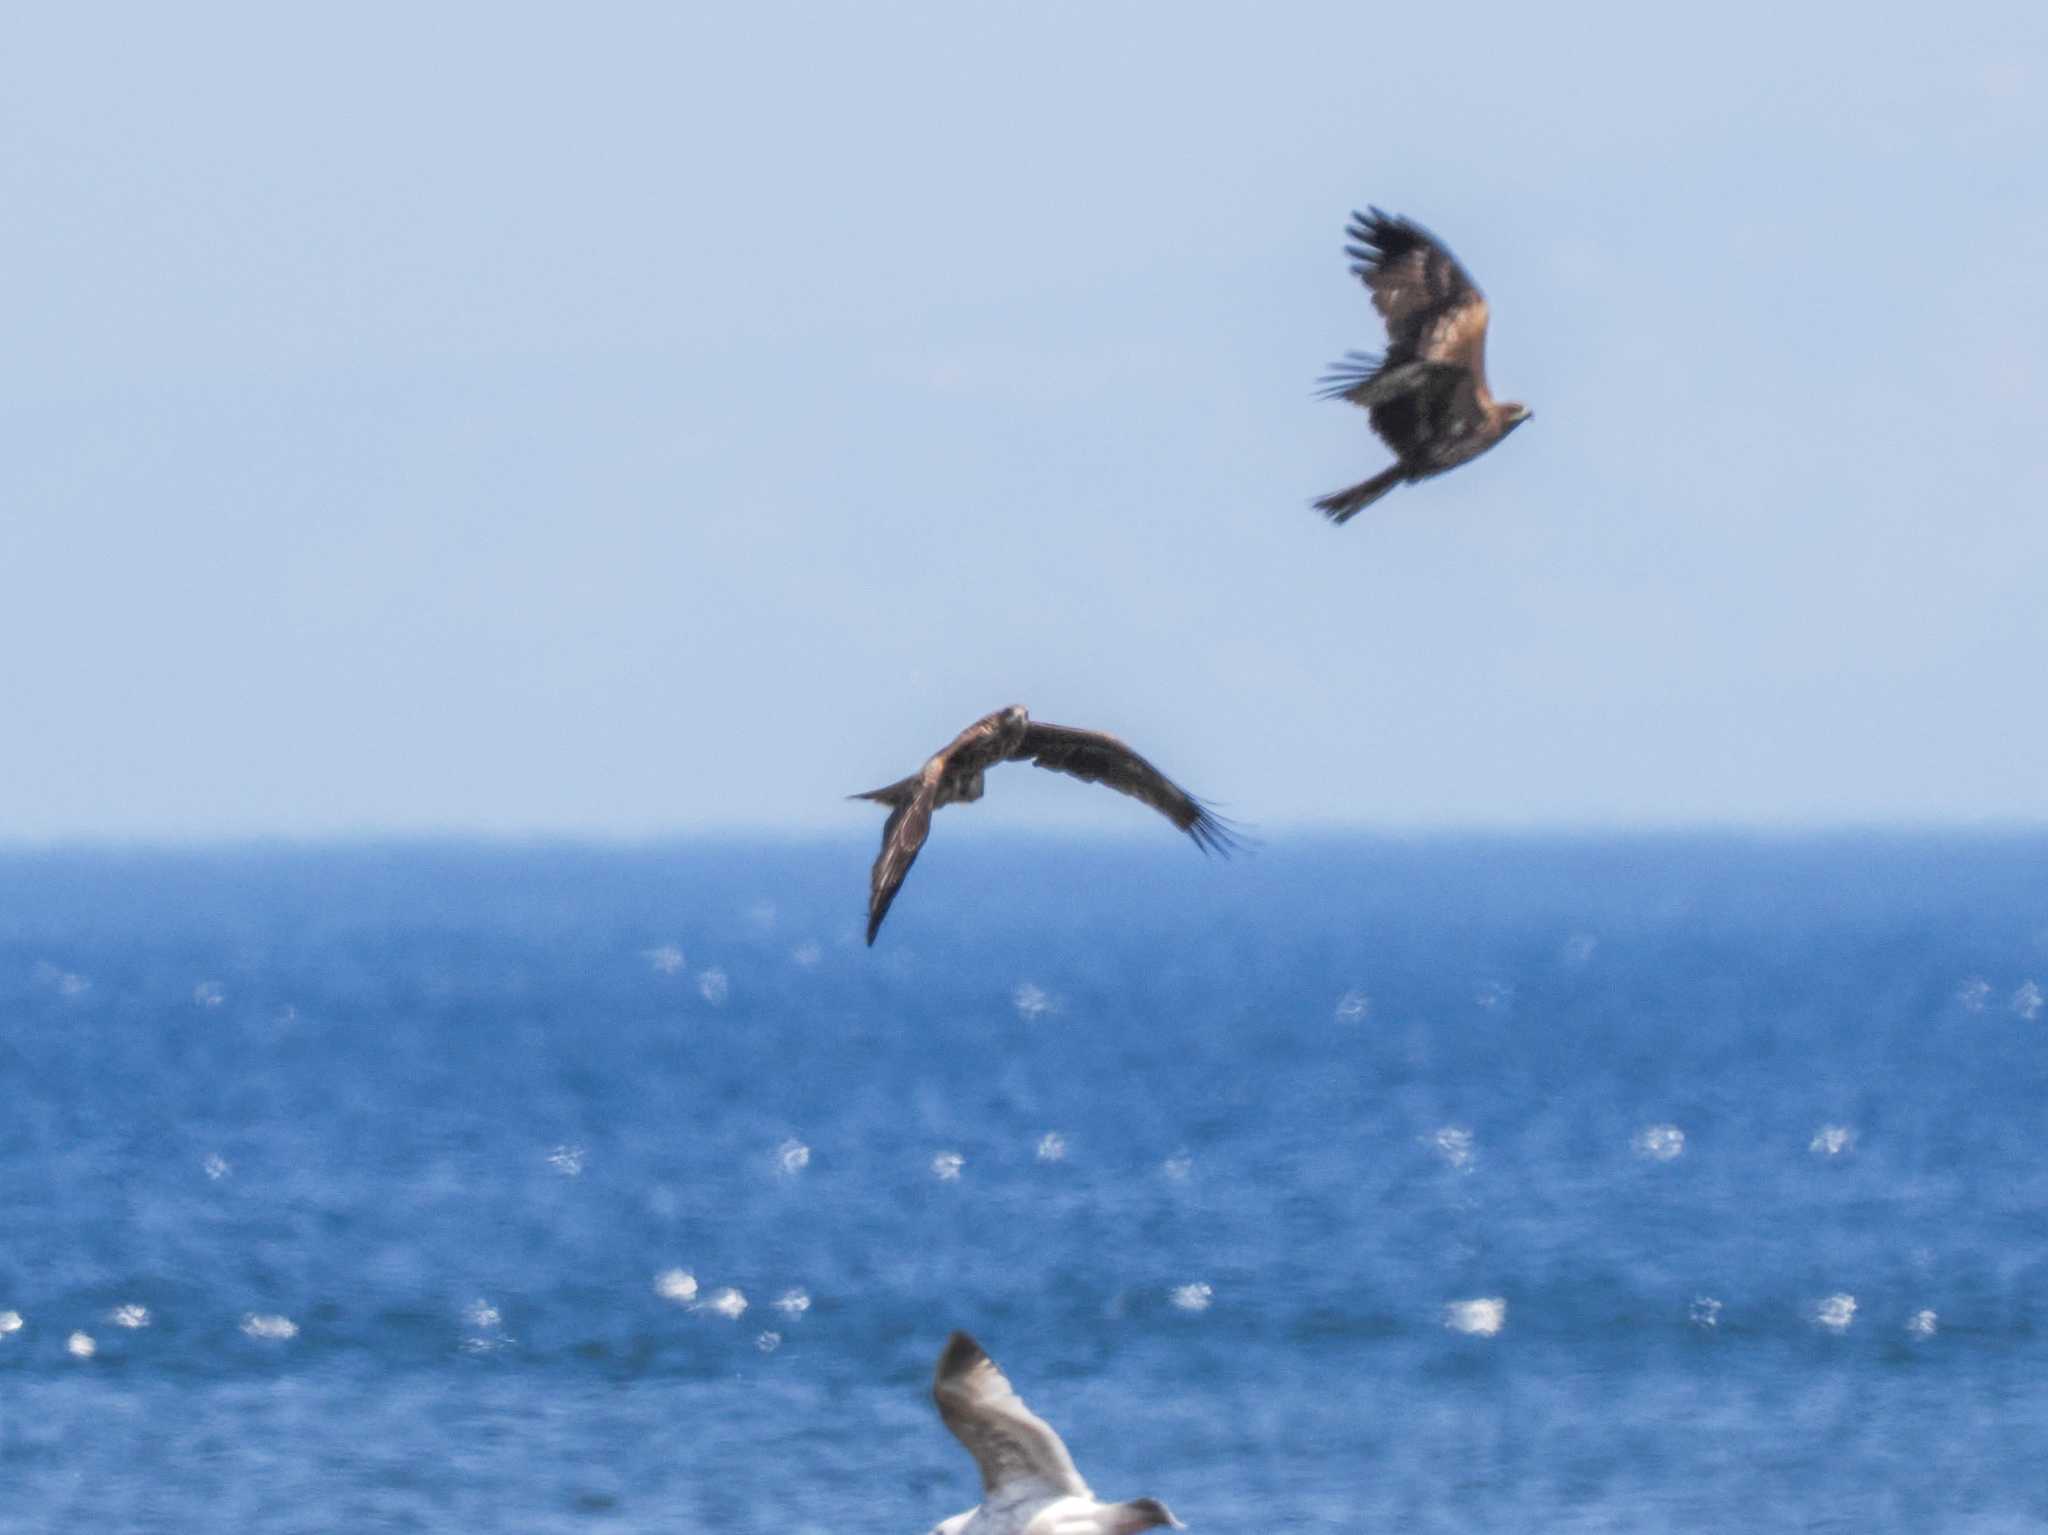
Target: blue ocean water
x: 1664, y: 1184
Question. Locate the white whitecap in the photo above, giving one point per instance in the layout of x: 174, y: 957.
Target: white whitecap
x: 10, y: 1323
x: 678, y: 1285
x: 66, y: 983
x: 1193, y: 1297
x: 1052, y: 1147
x: 714, y: 987
x: 1660, y: 1143
x: 2027, y: 1000
x: 946, y: 1166
x: 1705, y: 1311
x: 489, y: 1337
x: 793, y: 1302
x: 1179, y: 1167
x: 269, y: 1326
x: 1832, y: 1141
x: 792, y: 1156
x: 80, y: 1345
x: 768, y: 1342
x: 1482, y: 1317
x: 130, y: 1316
x: 568, y: 1160
x: 1836, y: 1313
x: 1353, y: 1007
x: 665, y: 959
x: 728, y: 1303
x: 1455, y: 1144
x: 1033, y: 1002
x: 1922, y: 1324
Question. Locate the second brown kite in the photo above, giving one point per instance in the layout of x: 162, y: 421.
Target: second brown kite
x: 1427, y: 396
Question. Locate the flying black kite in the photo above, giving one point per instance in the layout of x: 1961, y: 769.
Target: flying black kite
x: 1427, y: 396
x: 954, y: 776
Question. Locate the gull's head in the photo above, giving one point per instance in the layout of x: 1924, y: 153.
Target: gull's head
x: 1153, y: 1512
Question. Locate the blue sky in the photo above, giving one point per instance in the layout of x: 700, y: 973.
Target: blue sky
x: 493, y: 419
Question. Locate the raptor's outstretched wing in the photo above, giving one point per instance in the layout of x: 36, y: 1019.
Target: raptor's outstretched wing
x: 909, y: 823
x: 1434, y: 311
x: 1093, y: 757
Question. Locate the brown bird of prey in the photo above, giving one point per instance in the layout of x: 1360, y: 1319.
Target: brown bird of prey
x: 1028, y: 1482
x: 954, y: 774
x: 1427, y: 396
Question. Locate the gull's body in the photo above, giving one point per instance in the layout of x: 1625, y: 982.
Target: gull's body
x: 1029, y: 1484
x: 954, y: 775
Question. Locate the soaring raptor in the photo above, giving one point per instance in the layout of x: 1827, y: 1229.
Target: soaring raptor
x: 954, y: 774
x: 1427, y: 396
x: 1028, y: 1482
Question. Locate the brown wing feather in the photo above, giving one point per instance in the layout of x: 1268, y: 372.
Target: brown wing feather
x: 1008, y: 1440
x: 1093, y: 757
x: 902, y: 835
x: 1459, y: 338
x: 1433, y: 309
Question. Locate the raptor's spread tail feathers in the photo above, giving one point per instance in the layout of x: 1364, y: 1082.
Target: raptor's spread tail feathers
x: 897, y: 793
x: 1348, y: 503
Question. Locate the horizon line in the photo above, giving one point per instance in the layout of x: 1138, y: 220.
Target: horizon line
x: 1071, y: 833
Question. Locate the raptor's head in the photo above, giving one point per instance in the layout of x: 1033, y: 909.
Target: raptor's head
x: 1004, y: 730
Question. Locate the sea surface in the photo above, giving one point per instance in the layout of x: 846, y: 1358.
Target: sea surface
x: 1419, y: 1185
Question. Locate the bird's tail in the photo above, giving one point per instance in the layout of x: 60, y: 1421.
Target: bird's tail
x: 898, y: 793
x: 1348, y: 503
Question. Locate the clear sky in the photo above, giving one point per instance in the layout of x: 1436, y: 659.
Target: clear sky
x: 641, y: 418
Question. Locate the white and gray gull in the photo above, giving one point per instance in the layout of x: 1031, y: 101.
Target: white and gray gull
x: 1028, y: 1482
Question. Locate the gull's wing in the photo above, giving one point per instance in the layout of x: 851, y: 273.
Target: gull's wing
x: 1093, y: 757
x: 1008, y: 1441
x: 1434, y: 311
x: 902, y: 835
